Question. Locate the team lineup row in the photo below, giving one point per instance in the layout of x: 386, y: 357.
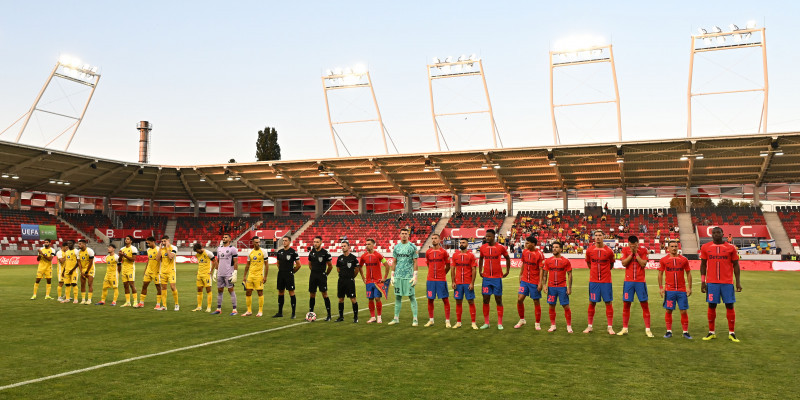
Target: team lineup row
x: 550, y: 276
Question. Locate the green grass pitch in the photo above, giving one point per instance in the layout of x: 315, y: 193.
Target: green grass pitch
x: 327, y: 360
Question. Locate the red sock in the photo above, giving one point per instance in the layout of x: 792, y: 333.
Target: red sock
x: 459, y: 309
x: 521, y: 310
x: 538, y: 312
x: 430, y: 308
x: 446, y: 302
x: 712, y: 315
x: 568, y: 316
x: 668, y: 320
x: 591, y: 312
x: 645, y: 313
x: 626, y: 313
x: 685, y: 322
x: 499, y: 315
x: 552, y: 315
x: 472, y: 312
x: 731, y: 314
x: 485, y: 313
x: 610, y: 314
x: 372, y: 308
x: 379, y: 307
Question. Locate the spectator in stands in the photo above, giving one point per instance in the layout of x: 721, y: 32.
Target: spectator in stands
x: 730, y: 238
x: 660, y: 214
x: 676, y: 229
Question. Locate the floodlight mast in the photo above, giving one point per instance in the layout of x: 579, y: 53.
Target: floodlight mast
x: 462, y: 67
x: 71, y: 70
x: 351, y: 79
x: 582, y: 56
x: 715, y: 41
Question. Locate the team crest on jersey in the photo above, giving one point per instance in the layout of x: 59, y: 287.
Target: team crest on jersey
x: 288, y: 257
x: 319, y: 258
x: 349, y: 265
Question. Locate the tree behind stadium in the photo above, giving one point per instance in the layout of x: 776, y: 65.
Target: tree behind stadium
x: 267, y: 147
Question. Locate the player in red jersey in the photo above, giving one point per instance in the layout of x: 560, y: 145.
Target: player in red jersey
x: 529, y: 283
x: 677, y: 291
x: 373, y: 260
x: 634, y: 259
x: 600, y: 259
x: 558, y: 275
x: 438, y: 267
x: 463, y: 276
x: 491, y: 253
x: 719, y: 263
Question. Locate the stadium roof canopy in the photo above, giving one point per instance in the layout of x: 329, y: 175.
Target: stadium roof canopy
x: 725, y: 160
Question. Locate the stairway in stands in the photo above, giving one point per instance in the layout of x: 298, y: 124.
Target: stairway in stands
x: 689, y: 244
x: 438, y: 229
x: 778, y: 232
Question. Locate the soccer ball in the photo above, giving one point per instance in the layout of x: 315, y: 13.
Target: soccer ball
x: 311, y: 317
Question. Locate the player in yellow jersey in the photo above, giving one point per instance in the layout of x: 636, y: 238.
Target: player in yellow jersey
x: 69, y: 273
x: 151, y: 273
x: 255, y: 274
x: 127, y: 271
x: 45, y: 257
x: 85, y: 257
x: 204, y: 267
x: 167, y: 255
x: 111, y: 281
x: 61, y: 260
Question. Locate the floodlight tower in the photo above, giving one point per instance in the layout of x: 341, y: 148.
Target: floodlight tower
x: 581, y: 55
x: 351, y: 78
x: 70, y: 69
x: 735, y: 38
x: 462, y: 67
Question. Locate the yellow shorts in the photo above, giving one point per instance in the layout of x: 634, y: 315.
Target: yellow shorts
x: 254, y: 283
x: 151, y: 276
x: 203, y: 281
x: 166, y: 278
x: 128, y: 274
x: 91, y: 271
x: 110, y: 281
x: 44, y: 272
x: 70, y: 279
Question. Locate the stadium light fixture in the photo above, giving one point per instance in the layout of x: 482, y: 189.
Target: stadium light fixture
x: 496, y: 166
x: 279, y: 175
x: 5, y: 175
x: 52, y: 181
x: 15, y: 176
x: 202, y: 179
x: 620, y: 160
x: 484, y: 166
x: 552, y: 163
x: 684, y: 158
x: 764, y: 153
x: 66, y: 183
x: 778, y: 152
x: 698, y: 157
x: 377, y: 171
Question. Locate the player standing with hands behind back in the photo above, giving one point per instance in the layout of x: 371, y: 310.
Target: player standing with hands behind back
x: 347, y: 267
x: 719, y: 263
x: 492, y: 275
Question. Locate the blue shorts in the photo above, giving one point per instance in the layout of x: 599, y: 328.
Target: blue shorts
x: 373, y: 292
x: 463, y: 291
x: 720, y: 291
x: 559, y: 293
x: 629, y: 288
x: 600, y: 292
x: 530, y: 290
x: 437, y: 289
x: 492, y: 286
x: 672, y: 298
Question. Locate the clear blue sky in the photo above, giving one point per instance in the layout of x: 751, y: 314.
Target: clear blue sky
x: 209, y: 75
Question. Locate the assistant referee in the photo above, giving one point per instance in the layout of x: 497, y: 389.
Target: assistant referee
x: 347, y: 267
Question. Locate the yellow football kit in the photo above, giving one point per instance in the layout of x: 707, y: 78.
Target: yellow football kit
x: 86, y: 260
x: 70, y: 261
x: 151, y: 271
x: 128, y: 267
x: 204, y: 268
x: 256, y: 272
x: 167, y: 274
x: 45, y: 269
x: 112, y: 277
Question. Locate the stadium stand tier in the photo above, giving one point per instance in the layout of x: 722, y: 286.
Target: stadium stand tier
x: 87, y: 222
x: 790, y: 217
x: 653, y: 227
x: 728, y: 216
x: 208, y: 230
x: 157, y: 223
x: 384, y: 228
x: 10, y: 234
x: 476, y: 220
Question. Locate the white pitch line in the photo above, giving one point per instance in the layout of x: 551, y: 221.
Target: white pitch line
x: 161, y: 353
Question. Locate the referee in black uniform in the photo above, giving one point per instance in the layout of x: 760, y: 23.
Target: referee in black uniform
x: 347, y: 267
x: 288, y: 264
x: 319, y: 260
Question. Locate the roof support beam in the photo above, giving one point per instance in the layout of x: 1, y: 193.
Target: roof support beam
x: 125, y: 183
x: 444, y: 180
x: 690, y: 168
x: 342, y: 183
x: 63, y: 175
x: 764, y: 168
x: 98, y: 179
x: 252, y: 186
x: 500, y: 180
x: 186, y: 187
x: 155, y: 185
x: 388, y: 178
x: 22, y: 165
x: 294, y: 183
x: 216, y: 187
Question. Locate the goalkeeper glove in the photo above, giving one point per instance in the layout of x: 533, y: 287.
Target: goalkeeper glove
x: 214, y: 276
x: 392, y: 278
x: 233, y: 277
x: 414, y: 279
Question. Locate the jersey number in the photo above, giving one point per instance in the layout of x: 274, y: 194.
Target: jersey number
x: 710, y: 297
x: 593, y: 296
x: 551, y: 299
x: 669, y: 303
x: 486, y: 290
